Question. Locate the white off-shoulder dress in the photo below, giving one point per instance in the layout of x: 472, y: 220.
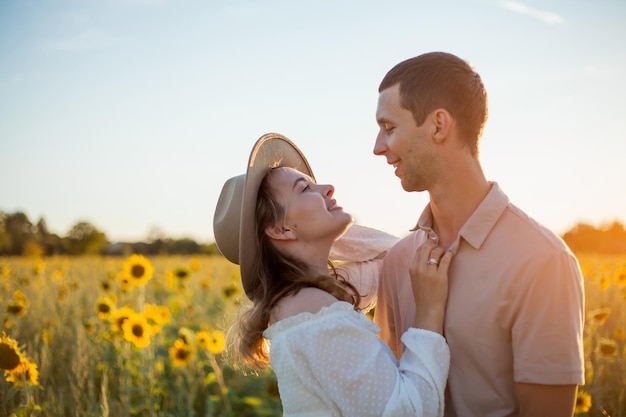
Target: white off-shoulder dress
x: 331, y: 363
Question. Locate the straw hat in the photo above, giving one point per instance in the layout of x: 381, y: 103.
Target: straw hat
x: 234, y: 222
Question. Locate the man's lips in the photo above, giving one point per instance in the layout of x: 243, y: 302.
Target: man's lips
x: 396, y: 165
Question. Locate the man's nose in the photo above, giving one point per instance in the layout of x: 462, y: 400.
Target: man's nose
x: 379, y: 145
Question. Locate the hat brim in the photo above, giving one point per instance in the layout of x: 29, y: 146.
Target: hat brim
x: 272, y: 150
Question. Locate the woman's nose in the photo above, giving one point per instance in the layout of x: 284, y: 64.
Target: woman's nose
x: 329, y: 190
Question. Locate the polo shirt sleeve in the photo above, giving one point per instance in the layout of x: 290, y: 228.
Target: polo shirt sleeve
x: 547, y: 331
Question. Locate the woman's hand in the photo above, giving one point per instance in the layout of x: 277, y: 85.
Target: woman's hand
x: 429, y: 279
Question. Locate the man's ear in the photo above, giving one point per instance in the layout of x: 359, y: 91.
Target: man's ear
x: 442, y: 122
x: 279, y: 232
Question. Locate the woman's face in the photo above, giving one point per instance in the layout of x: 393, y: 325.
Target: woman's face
x: 311, y: 212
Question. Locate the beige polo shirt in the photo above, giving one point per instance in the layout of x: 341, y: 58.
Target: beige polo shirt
x: 515, y: 310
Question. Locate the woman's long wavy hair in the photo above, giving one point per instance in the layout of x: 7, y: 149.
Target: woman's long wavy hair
x: 278, y: 275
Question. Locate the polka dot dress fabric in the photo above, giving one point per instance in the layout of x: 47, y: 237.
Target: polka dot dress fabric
x: 331, y: 363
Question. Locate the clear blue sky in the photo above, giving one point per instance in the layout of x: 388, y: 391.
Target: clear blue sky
x: 131, y: 114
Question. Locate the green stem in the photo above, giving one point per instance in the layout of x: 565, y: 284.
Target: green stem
x: 220, y: 382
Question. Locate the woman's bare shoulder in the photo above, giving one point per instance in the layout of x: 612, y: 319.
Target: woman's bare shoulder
x: 307, y: 300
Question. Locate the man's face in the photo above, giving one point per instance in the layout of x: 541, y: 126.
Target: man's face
x: 405, y: 145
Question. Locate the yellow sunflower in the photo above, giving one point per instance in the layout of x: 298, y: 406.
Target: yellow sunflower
x: 210, y: 378
x: 170, y: 280
x: 600, y: 315
x: 104, y: 307
x: 125, y: 281
x: 105, y: 284
x: 194, y: 264
x: 186, y: 335
x: 254, y: 402
x: 17, y: 307
x: 202, y: 338
x: 619, y: 277
x: 89, y: 325
x: 38, y: 267
x: 58, y: 275
x: 182, y: 273
x: 607, y: 348
x: 206, y: 282
x: 181, y: 353
x: 216, y: 342
x: 10, y: 354
x: 46, y: 336
x: 24, y: 373
x: 137, y: 330
x: 62, y: 293
x: 157, y: 316
x: 605, y: 282
x: 139, y: 269
x: 583, y: 402
x: 230, y: 290
x: 118, y: 317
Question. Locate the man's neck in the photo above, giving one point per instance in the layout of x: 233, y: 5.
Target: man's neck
x: 453, y: 205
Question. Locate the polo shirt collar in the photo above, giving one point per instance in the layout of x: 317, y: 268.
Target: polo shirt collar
x: 481, y: 222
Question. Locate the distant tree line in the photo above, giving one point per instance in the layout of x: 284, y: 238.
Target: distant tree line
x: 609, y: 238
x: 19, y: 236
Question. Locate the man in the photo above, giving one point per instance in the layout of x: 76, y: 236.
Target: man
x: 515, y: 310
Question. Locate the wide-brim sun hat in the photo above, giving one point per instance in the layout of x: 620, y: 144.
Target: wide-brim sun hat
x: 234, y: 221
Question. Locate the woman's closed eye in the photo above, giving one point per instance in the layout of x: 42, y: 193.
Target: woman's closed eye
x: 303, y: 184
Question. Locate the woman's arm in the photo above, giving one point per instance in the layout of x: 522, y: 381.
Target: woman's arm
x: 358, y: 256
x: 361, y: 243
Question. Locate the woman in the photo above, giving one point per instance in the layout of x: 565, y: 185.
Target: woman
x: 279, y: 225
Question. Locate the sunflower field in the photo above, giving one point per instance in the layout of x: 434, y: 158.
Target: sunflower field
x: 109, y: 336
x: 137, y: 336
x: 604, y: 393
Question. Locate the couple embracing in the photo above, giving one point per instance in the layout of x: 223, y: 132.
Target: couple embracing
x: 479, y: 310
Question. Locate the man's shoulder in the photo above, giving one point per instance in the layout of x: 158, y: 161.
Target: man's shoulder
x: 498, y: 213
x: 532, y: 242
x: 531, y: 230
